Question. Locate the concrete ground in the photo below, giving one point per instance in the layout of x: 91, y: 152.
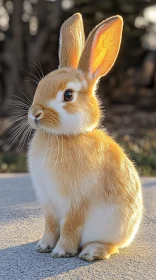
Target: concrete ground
x: 21, y: 225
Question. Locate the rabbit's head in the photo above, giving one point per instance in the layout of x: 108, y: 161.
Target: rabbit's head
x: 65, y: 101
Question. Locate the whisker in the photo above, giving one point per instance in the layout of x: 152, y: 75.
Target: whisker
x: 62, y: 149
x: 37, y: 72
x: 33, y: 75
x: 15, y: 114
x: 23, y: 132
x: 57, y: 150
x: 45, y: 152
x: 12, y: 139
x: 23, y: 139
x: 17, y: 128
x: 30, y: 80
x: 42, y: 76
x: 40, y: 67
x: 16, y: 120
x: 19, y: 104
x: 20, y: 109
x: 29, y: 101
x: 13, y: 102
x: 20, y: 129
x: 21, y: 99
x: 50, y: 150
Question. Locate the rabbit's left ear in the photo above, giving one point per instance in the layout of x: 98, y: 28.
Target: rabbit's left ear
x: 101, y: 48
x: 72, y: 41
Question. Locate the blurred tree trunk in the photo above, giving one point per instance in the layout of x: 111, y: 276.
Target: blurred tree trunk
x: 13, y: 55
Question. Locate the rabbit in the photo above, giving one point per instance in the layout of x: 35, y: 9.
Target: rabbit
x: 88, y: 188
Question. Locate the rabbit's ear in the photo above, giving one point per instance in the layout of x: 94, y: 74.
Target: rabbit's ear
x: 72, y: 41
x: 101, y: 48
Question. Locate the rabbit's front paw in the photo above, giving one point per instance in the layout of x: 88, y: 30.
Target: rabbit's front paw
x: 60, y: 252
x: 44, y: 246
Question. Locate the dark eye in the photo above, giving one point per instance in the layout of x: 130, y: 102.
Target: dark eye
x: 68, y: 95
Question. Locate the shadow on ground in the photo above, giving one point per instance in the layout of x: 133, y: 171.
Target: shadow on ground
x: 23, y: 262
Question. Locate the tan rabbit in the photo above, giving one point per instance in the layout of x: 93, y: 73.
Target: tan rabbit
x: 88, y: 188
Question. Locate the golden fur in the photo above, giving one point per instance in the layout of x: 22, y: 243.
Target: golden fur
x: 70, y: 54
x: 87, y: 166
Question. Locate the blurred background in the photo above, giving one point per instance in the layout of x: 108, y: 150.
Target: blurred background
x: 29, y: 34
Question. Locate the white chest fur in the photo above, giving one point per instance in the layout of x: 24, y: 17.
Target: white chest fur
x: 45, y: 182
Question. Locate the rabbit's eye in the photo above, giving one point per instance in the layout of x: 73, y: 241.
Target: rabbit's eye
x: 68, y: 95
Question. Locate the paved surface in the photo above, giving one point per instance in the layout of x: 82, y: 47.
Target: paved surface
x: 21, y: 225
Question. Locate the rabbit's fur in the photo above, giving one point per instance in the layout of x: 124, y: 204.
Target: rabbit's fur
x: 88, y: 188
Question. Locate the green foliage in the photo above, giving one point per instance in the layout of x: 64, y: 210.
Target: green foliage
x: 143, y: 154
x: 11, y: 162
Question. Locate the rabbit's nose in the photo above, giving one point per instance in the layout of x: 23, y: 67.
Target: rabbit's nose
x: 36, y: 112
x: 39, y: 115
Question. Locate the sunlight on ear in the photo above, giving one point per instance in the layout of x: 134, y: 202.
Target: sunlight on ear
x: 102, y: 51
x: 105, y: 46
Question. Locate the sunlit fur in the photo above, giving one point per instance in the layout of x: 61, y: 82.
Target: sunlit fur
x: 89, y: 189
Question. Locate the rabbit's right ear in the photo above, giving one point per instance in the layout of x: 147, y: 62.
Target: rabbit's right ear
x: 101, y: 48
x: 72, y: 41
